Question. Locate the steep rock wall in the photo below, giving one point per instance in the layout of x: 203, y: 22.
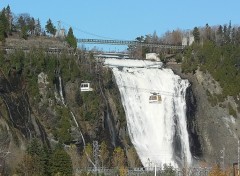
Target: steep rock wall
x: 215, y: 128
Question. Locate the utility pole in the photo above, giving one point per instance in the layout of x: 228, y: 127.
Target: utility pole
x: 95, y: 153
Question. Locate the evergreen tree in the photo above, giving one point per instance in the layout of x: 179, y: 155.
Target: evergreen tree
x: 233, y: 36
x: 208, y: 32
x: 78, y: 98
x: 225, y: 34
x: 219, y: 37
x: 61, y: 163
x: 45, y: 159
x: 34, y: 148
x: 31, y: 25
x: 39, y: 154
x: 9, y: 17
x: 71, y: 39
x: 30, y: 165
x: 38, y: 27
x: 168, y: 170
x: 229, y: 32
x: 140, y: 39
x: 34, y: 161
x: 4, y: 25
x: 8, y: 12
x: 237, y: 36
x: 220, y: 30
x: 2, y: 31
x: 21, y: 22
x: 63, y: 126
x: 24, y: 33
x: 196, y: 35
x: 50, y: 28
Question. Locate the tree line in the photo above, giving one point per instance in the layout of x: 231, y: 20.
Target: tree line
x: 41, y: 160
x: 219, y: 34
x: 59, y: 125
x: 27, y: 26
x: 216, y: 50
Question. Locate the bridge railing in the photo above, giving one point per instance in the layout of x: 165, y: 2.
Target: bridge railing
x: 50, y: 50
x: 130, y: 43
x: 193, y: 171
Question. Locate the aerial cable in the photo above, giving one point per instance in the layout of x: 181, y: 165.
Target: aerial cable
x: 89, y: 33
x: 150, y: 90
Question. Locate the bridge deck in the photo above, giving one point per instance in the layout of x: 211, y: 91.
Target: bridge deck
x: 53, y: 50
x: 128, y: 42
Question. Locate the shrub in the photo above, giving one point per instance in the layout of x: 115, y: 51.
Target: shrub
x: 231, y: 111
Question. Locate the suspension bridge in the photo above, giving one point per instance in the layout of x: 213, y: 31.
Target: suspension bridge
x: 129, y: 43
x: 54, y: 50
x: 109, y: 41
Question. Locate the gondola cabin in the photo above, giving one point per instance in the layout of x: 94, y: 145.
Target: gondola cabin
x: 85, y: 87
x: 155, y: 98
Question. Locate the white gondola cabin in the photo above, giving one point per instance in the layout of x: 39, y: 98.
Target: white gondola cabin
x: 85, y: 87
x: 155, y: 98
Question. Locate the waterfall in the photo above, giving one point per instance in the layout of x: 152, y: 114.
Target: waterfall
x: 74, y: 118
x: 19, y: 112
x: 109, y: 121
x: 111, y: 129
x: 61, y: 90
x: 158, y: 131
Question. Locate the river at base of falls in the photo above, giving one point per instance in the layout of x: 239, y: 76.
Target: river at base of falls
x: 157, y: 130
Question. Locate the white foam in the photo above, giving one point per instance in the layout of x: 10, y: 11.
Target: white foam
x: 152, y: 127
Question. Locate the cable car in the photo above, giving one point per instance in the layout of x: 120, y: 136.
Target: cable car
x: 85, y: 87
x: 155, y: 98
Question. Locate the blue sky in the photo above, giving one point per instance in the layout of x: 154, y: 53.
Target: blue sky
x: 128, y: 19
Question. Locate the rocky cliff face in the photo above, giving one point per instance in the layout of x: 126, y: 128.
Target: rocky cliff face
x: 211, y: 122
x: 34, y: 104
x: 219, y: 129
x: 42, y: 99
x: 18, y: 122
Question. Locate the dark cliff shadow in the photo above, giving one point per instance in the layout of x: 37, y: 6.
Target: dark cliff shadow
x: 14, y: 94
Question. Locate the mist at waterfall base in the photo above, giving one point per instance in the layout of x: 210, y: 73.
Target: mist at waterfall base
x: 158, y: 131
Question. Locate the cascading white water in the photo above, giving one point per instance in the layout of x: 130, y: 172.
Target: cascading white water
x: 74, y: 118
x: 109, y: 122
x: 111, y: 128
x: 158, y: 131
x: 61, y: 90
